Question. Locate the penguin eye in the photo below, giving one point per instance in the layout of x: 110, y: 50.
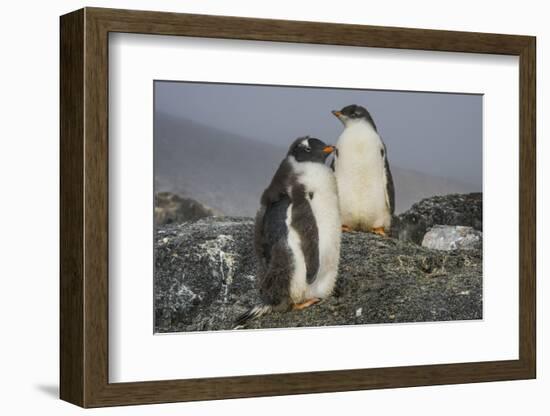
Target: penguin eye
x: 307, y: 149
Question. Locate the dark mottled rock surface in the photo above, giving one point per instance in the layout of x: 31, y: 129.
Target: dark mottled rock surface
x: 205, y: 277
x: 172, y: 208
x: 454, y: 209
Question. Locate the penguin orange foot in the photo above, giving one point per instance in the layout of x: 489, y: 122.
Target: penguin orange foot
x: 306, y: 304
x: 379, y: 231
x: 346, y: 228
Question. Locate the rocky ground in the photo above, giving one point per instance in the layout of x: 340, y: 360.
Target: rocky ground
x: 205, y: 277
x: 453, y: 209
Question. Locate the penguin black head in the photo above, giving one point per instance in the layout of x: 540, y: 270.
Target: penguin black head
x: 310, y: 149
x: 352, y: 113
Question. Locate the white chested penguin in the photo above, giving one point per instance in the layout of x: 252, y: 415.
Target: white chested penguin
x: 365, y: 184
x: 297, y: 232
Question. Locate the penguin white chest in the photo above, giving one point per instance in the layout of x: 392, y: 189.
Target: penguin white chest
x: 321, y: 188
x: 360, y: 175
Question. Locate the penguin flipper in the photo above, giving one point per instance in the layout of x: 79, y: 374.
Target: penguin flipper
x: 303, y: 221
x: 390, y: 190
x: 333, y: 161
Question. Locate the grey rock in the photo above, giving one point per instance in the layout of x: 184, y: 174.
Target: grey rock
x: 205, y: 277
x: 173, y: 208
x: 199, y: 266
x: 453, y: 209
x: 449, y: 237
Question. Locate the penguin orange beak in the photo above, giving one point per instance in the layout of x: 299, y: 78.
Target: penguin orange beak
x: 328, y: 149
x: 336, y: 113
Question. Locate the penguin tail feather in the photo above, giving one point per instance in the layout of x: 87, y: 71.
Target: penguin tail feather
x: 251, y: 314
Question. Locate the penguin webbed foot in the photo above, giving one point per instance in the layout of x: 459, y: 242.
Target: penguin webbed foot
x: 346, y: 228
x: 306, y: 304
x: 380, y: 231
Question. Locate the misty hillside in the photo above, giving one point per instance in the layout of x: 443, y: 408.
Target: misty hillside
x: 228, y: 172
x: 222, y: 170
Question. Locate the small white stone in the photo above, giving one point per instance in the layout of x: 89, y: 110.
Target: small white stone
x: 358, y: 312
x: 449, y: 237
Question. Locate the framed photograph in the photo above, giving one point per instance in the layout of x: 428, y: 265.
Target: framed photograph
x: 255, y: 207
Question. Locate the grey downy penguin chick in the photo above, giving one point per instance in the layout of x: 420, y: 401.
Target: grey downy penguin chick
x: 365, y: 183
x: 297, y: 232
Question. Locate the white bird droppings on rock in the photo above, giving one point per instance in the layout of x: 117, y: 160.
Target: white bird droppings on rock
x: 216, y: 251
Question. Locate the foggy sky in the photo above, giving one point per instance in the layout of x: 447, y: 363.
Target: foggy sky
x: 433, y: 133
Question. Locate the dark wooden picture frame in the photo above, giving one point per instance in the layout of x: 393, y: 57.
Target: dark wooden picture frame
x: 84, y: 207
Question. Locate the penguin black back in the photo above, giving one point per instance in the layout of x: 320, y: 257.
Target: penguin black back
x: 273, y: 226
